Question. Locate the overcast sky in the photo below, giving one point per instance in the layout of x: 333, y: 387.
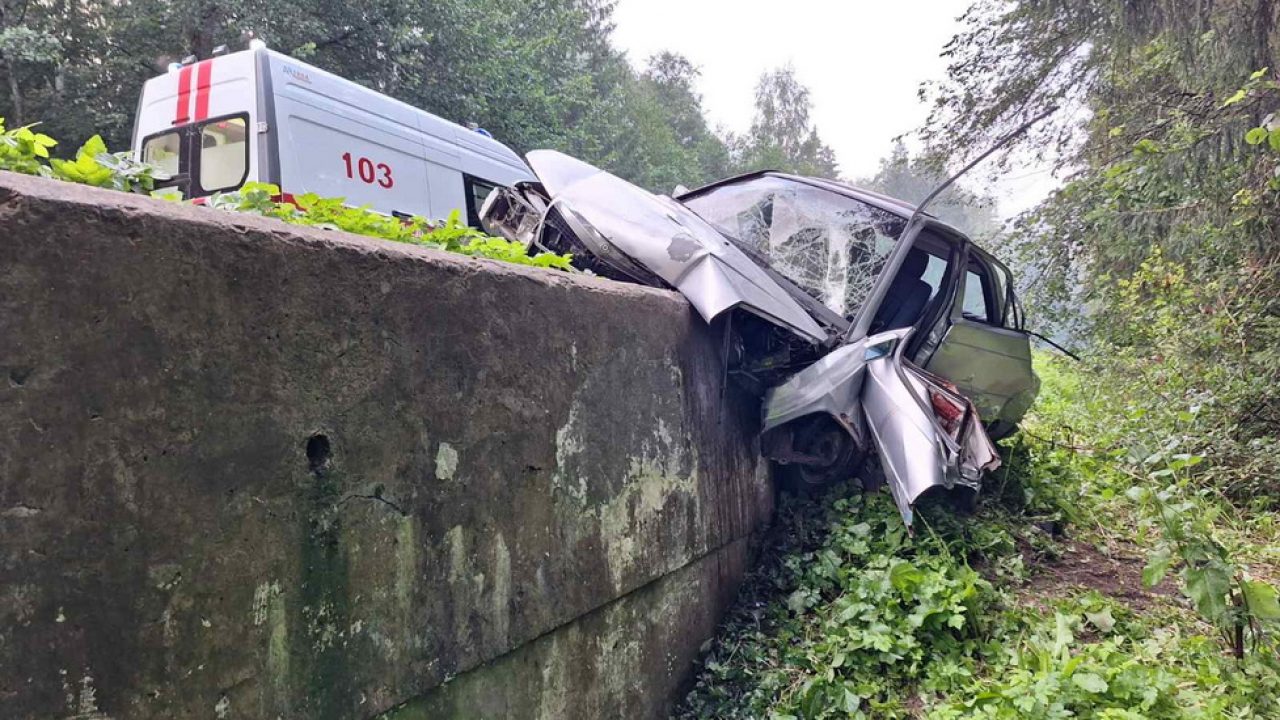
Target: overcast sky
x: 863, y: 61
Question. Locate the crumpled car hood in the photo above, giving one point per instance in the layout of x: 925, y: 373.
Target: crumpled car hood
x: 611, y: 215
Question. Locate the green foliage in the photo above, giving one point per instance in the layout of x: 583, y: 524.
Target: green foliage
x: 330, y: 213
x: 1190, y: 360
x: 1173, y: 369
x: 1166, y: 233
x: 859, y: 611
x: 25, y: 151
x: 22, y: 150
x: 1162, y: 157
x: 1129, y: 673
x: 782, y: 135
x: 1149, y: 456
x: 21, y: 45
x: 95, y: 165
x: 537, y: 75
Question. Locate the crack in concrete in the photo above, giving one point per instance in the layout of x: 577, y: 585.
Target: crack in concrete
x: 379, y: 498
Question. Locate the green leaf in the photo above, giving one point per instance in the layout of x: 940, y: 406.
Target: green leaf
x: 1273, y: 139
x: 1256, y: 136
x: 1101, y: 619
x: 1090, y: 682
x: 92, y: 148
x: 1262, y: 599
x: 1239, y: 95
x: 851, y: 701
x: 904, y: 577
x: 1157, y: 566
x: 1208, y: 587
x: 1146, y: 146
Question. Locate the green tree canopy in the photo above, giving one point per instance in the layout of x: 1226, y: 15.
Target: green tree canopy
x: 782, y: 135
x: 1156, y: 157
x: 535, y: 74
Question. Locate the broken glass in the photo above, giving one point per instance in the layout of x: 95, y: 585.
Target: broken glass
x: 832, y: 246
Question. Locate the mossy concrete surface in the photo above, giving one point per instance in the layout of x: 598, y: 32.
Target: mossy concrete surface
x: 627, y: 659
x: 254, y: 471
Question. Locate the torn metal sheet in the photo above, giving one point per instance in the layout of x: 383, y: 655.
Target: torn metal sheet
x: 833, y: 386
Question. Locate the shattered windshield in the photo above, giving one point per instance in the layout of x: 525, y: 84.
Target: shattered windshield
x: 830, y: 245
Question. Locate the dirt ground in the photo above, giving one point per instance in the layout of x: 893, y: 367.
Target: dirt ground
x: 1116, y: 573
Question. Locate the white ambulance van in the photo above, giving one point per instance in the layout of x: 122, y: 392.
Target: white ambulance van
x: 260, y: 115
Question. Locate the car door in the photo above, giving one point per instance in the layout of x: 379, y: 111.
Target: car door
x: 984, y: 351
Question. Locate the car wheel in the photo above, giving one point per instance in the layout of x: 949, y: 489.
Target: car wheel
x: 839, y: 458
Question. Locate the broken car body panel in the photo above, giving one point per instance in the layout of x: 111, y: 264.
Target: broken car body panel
x: 867, y: 384
x: 917, y: 452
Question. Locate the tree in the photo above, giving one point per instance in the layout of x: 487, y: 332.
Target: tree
x: 535, y: 74
x: 1157, y: 159
x: 672, y: 77
x: 911, y: 179
x: 782, y: 135
x: 1163, y: 246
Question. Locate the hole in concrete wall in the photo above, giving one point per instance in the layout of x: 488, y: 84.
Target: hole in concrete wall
x: 319, y: 452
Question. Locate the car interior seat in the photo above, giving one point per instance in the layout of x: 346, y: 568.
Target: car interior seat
x: 907, y: 295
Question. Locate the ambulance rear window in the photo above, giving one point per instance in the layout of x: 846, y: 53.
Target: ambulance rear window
x: 163, y: 151
x: 224, y: 154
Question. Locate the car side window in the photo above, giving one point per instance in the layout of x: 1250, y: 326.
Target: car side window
x: 1009, y: 311
x: 934, y: 274
x: 975, y: 297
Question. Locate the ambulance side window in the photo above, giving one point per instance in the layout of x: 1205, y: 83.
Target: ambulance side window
x: 224, y: 154
x: 476, y: 190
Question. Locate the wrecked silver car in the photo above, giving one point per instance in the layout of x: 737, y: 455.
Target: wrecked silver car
x: 860, y: 322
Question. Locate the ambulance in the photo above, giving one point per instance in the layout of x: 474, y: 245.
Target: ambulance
x: 259, y: 115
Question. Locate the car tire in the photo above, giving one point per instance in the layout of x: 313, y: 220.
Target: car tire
x: 829, y: 440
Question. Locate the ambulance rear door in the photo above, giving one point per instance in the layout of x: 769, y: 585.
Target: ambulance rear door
x: 197, y: 123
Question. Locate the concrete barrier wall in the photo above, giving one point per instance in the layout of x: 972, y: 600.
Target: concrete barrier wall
x: 252, y: 471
